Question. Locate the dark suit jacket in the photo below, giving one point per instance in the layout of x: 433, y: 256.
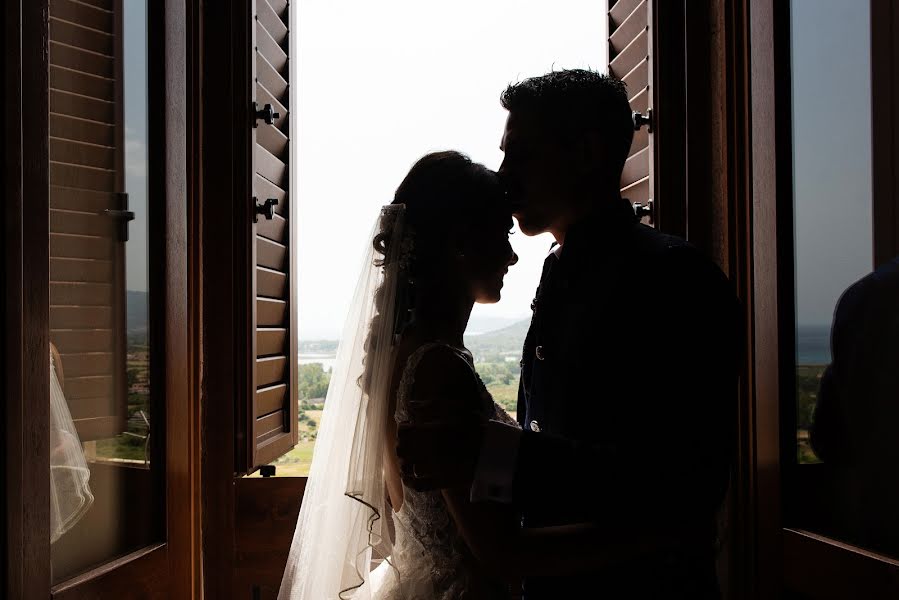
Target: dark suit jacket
x: 628, y: 400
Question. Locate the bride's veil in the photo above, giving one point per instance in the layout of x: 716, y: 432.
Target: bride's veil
x: 344, y: 506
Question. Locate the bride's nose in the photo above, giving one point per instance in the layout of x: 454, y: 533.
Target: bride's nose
x: 513, y: 259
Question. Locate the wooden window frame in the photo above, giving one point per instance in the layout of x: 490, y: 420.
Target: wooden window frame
x: 785, y: 559
x: 738, y: 182
x: 164, y: 570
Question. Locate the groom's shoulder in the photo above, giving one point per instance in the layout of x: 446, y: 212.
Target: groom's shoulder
x: 671, y: 257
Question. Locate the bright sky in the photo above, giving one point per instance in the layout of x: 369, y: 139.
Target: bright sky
x: 831, y: 152
x: 381, y: 84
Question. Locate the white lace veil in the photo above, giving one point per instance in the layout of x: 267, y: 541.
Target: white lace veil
x: 70, y: 494
x: 344, y: 507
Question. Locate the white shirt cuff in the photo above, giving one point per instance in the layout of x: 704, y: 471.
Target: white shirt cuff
x: 495, y: 472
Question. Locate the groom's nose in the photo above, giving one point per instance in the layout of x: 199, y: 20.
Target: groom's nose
x: 513, y: 260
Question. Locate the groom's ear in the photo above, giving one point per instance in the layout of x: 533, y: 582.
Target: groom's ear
x: 589, y: 153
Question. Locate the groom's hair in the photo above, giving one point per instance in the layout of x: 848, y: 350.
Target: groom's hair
x: 573, y: 101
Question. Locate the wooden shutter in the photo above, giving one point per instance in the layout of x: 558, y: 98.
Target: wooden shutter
x: 87, y: 243
x: 630, y: 59
x: 272, y: 410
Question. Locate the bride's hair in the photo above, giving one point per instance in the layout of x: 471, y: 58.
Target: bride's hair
x: 443, y: 192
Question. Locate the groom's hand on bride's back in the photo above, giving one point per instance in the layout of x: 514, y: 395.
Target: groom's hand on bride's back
x: 437, y: 456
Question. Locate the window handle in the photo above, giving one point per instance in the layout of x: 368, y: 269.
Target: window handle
x: 641, y: 119
x: 266, y: 113
x: 267, y: 209
x: 122, y: 216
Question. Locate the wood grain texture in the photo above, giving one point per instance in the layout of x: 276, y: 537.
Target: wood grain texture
x: 25, y: 353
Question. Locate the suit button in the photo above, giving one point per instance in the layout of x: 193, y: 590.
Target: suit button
x: 539, y: 353
x: 535, y: 426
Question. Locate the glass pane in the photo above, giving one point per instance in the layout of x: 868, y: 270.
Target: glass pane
x: 106, y: 497
x: 846, y: 317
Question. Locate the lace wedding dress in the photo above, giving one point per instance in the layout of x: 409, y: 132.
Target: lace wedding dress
x: 430, y: 560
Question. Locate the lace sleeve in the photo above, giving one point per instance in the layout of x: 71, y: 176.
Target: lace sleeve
x: 435, y: 396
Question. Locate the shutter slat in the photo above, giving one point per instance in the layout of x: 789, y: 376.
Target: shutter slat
x: 81, y: 83
x: 91, y: 132
x: 636, y: 51
x: 640, y: 102
x: 79, y: 270
x: 635, y: 168
x: 637, y: 191
x: 270, y: 284
x: 79, y: 153
x: 270, y: 79
x: 81, y: 200
x: 280, y: 7
x: 78, y: 36
x: 266, y: 189
x: 270, y: 341
x: 270, y: 166
x: 83, y: 107
x: 63, y: 55
x: 81, y: 317
x: 270, y: 370
x: 104, y: 4
x: 269, y: 426
x: 270, y: 254
x: 629, y: 29
x: 86, y: 408
x: 272, y: 22
x: 637, y: 80
x: 94, y: 386
x: 80, y: 246
x: 68, y: 221
x: 88, y: 178
x: 270, y: 312
x: 269, y: 399
x: 75, y: 341
x: 88, y: 364
x: 268, y: 47
x: 641, y: 141
x: 276, y: 229
x: 83, y: 14
x: 273, y: 140
x: 263, y: 97
x: 80, y: 294
x: 621, y: 9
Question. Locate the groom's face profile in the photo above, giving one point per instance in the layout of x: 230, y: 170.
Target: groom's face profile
x: 536, y: 172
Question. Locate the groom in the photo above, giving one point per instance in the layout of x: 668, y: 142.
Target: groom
x: 628, y: 386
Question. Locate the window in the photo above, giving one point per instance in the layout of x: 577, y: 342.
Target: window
x: 840, y: 482
x: 370, y: 108
x: 104, y: 447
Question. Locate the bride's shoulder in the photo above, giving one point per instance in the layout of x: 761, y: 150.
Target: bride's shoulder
x: 437, y: 370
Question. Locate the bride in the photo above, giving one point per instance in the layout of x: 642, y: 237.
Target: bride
x: 440, y: 247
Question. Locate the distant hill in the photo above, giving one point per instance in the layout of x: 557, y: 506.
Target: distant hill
x: 138, y: 315
x: 480, y: 325
x: 137, y: 318
x: 507, y: 341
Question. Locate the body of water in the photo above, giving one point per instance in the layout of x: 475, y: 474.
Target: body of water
x: 813, y: 345
x: 325, y: 360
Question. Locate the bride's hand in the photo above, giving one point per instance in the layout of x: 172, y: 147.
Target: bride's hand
x: 437, y: 456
